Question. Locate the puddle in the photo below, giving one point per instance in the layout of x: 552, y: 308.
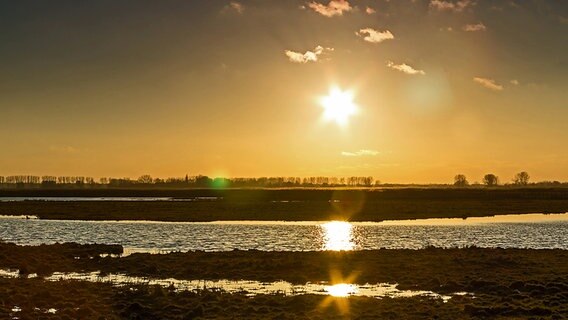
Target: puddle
x: 103, y: 199
x: 248, y: 287
x: 18, y: 217
x: 9, y: 273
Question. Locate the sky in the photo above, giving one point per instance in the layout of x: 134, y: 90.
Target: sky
x: 235, y: 88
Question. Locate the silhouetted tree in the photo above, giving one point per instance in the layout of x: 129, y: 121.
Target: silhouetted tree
x: 203, y: 181
x: 145, y: 179
x: 490, y: 180
x: 460, y: 180
x: 522, y: 178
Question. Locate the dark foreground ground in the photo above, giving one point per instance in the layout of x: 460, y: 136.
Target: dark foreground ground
x: 289, y: 204
x: 505, y: 283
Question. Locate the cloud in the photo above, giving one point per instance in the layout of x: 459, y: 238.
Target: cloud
x: 234, y: 6
x: 374, y: 36
x: 332, y: 9
x: 308, y: 56
x: 405, y: 68
x: 237, y: 6
x: 370, y: 10
x: 64, y: 149
x: 360, y: 153
x: 459, y: 6
x: 514, y: 82
x: 488, y: 83
x: 475, y: 27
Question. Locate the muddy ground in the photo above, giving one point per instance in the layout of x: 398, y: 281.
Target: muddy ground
x: 505, y: 283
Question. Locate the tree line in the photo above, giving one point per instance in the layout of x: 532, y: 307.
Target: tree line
x: 201, y: 181
x: 198, y: 181
x: 491, y: 180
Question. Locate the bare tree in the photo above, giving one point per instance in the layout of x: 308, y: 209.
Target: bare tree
x: 145, y: 179
x: 522, y: 178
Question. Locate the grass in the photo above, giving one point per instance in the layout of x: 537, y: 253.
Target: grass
x: 506, y: 283
x: 293, y: 204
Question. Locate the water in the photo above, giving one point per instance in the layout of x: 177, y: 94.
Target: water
x: 534, y: 231
x: 248, y: 287
x: 74, y: 199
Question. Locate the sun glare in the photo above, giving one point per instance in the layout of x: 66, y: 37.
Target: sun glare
x: 338, y: 106
x: 337, y: 236
x: 341, y: 290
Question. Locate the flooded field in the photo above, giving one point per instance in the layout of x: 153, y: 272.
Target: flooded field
x: 76, y: 282
x: 247, y: 287
x: 534, y: 231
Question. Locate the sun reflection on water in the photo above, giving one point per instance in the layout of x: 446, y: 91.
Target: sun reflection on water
x: 341, y: 290
x: 338, y: 235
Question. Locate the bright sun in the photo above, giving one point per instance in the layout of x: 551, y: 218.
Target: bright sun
x: 338, y: 106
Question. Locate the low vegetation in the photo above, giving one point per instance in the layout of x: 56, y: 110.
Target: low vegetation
x: 290, y: 204
x: 503, y: 283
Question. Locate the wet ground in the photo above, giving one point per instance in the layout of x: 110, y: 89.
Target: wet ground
x: 502, y: 283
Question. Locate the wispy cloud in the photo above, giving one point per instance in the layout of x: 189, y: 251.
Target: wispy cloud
x: 405, y: 68
x: 64, y: 149
x: 514, y: 82
x: 370, y: 10
x: 332, y: 9
x: 457, y: 6
x: 360, y: 153
x: 308, y: 56
x: 488, y: 83
x: 374, y: 36
x: 234, y: 6
x: 475, y: 27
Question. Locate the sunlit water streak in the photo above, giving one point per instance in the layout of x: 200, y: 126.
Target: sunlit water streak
x: 513, y: 231
x: 120, y: 199
x: 247, y: 287
x: 338, y: 235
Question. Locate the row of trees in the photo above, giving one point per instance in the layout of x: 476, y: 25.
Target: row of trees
x: 201, y: 181
x: 45, y: 180
x: 192, y: 181
x: 491, y: 180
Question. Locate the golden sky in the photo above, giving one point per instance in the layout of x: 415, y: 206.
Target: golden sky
x: 234, y: 88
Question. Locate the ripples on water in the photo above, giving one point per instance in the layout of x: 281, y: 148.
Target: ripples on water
x: 548, y: 232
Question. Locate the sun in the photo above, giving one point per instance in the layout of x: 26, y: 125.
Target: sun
x: 338, y: 106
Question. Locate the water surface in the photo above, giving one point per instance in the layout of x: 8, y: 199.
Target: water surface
x: 74, y: 199
x: 535, y: 231
x: 248, y: 287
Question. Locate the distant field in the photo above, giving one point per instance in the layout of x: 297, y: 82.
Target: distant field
x: 289, y: 204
